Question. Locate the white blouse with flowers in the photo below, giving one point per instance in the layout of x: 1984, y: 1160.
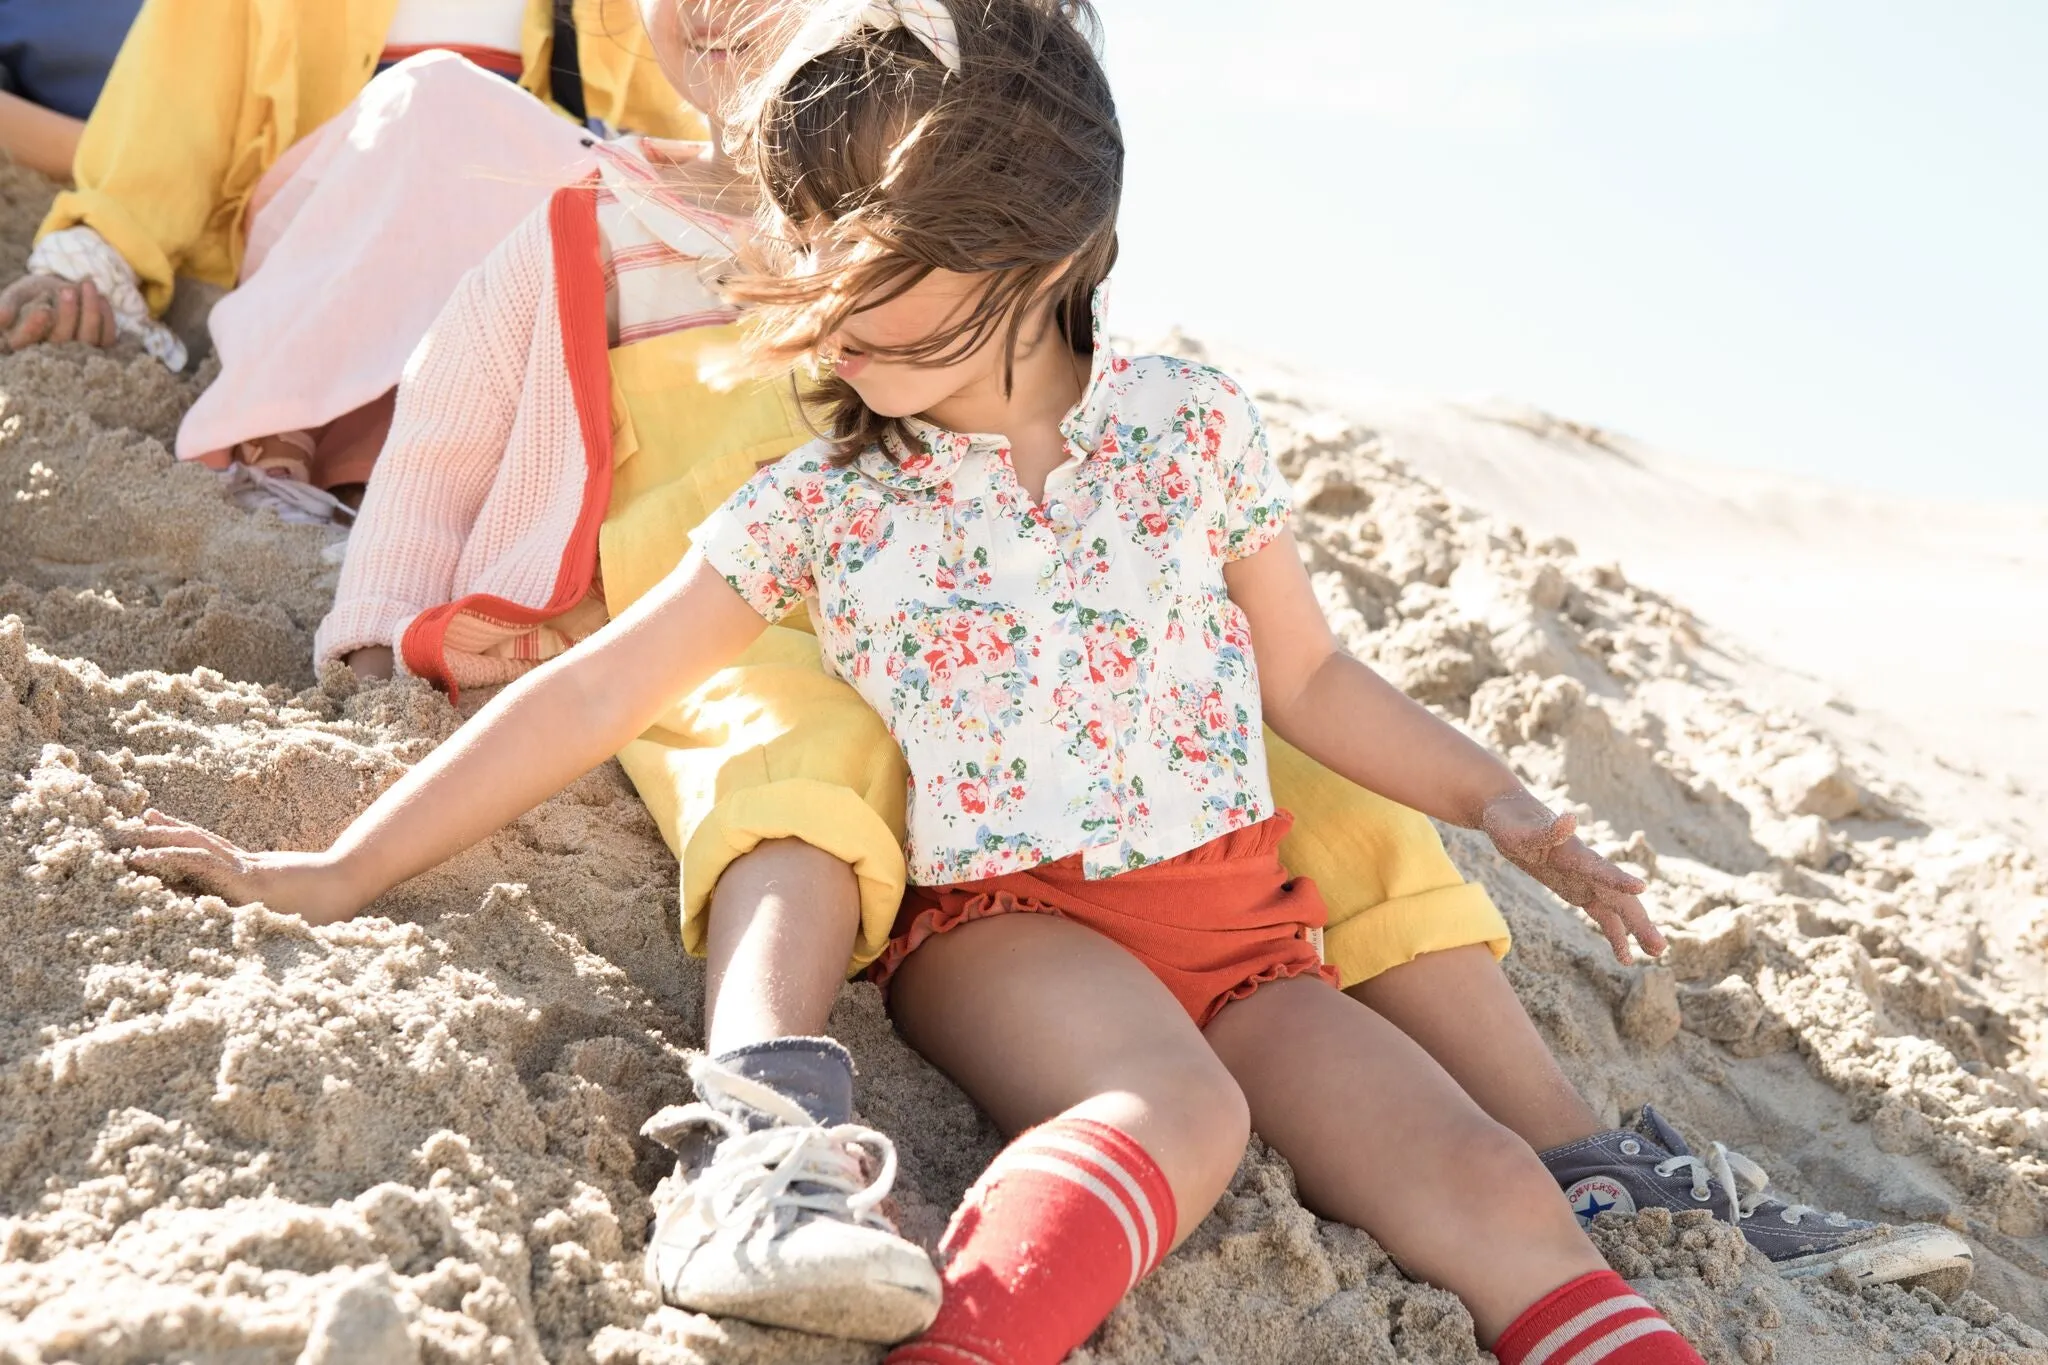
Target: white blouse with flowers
x: 1064, y: 678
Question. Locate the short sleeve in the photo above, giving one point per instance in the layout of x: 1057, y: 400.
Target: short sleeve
x: 1257, y: 503
x: 760, y: 539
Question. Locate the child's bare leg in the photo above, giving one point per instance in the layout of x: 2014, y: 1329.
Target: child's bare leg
x: 782, y: 925
x: 1035, y: 1016
x: 1381, y: 1138
x: 1129, y: 1128
x: 775, y: 1094
x: 1458, y: 1005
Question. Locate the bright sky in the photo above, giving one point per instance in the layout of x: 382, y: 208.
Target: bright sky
x: 1806, y: 237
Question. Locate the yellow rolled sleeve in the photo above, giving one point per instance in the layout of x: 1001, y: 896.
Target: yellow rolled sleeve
x: 773, y: 748
x: 1393, y: 892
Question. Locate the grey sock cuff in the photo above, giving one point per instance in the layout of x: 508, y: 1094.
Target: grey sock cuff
x: 816, y: 1073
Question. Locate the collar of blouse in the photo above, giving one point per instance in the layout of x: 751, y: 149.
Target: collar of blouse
x: 936, y: 453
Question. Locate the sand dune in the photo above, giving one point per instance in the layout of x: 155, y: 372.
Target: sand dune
x: 1909, y: 630
x: 226, y: 1138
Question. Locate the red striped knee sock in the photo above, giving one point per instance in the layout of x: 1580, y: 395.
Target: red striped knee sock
x: 1595, y: 1320
x: 1060, y: 1226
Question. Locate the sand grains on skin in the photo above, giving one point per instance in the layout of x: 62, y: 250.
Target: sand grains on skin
x: 229, y: 1139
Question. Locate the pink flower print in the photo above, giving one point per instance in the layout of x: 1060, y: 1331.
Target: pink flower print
x: 811, y: 493
x: 1214, y: 717
x: 1097, y: 736
x: 864, y: 523
x: 1174, y: 483
x: 944, y: 577
x: 1107, y: 660
x: 1154, y: 523
x: 994, y: 643
x: 1118, y: 364
x: 1190, y: 749
x: 973, y: 793
x: 941, y: 660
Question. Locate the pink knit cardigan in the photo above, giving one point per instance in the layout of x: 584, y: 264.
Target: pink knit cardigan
x: 479, y: 528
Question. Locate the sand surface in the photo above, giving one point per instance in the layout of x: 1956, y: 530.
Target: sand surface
x: 228, y: 1139
x: 1815, y: 583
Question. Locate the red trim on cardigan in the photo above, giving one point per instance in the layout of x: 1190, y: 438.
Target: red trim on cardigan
x: 580, y: 299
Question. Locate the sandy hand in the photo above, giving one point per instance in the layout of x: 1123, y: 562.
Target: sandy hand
x: 1545, y: 845
x: 373, y: 663
x: 302, y: 884
x: 43, y: 308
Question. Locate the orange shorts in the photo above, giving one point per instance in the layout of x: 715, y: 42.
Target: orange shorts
x: 1213, y: 924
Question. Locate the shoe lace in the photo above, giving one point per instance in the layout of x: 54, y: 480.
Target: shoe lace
x: 766, y: 1178
x: 1746, y: 1184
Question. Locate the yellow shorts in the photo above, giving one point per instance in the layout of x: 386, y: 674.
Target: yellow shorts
x: 772, y: 748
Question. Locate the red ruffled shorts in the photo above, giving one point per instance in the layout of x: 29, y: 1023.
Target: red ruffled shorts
x: 1213, y: 924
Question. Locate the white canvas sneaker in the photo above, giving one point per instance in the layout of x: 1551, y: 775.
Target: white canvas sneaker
x: 782, y: 1225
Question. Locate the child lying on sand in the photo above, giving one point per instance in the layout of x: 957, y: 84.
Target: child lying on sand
x: 1198, y: 493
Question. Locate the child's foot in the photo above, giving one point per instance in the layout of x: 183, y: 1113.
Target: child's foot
x: 1628, y: 1169
x: 781, y: 1225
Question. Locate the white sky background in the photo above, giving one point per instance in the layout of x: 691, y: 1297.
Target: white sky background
x: 1806, y: 237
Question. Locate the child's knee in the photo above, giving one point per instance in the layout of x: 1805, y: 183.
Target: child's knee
x: 791, y: 856
x: 1522, y: 1198
x: 1201, y: 1111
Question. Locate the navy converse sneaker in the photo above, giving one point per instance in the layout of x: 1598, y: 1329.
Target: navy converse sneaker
x: 1650, y: 1165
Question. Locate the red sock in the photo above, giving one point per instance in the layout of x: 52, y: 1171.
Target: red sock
x: 1595, y: 1320
x: 1056, y: 1231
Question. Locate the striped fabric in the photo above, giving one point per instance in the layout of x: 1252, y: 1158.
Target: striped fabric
x: 1594, y: 1320
x: 1056, y: 1231
x: 659, y: 253
x: 1084, y: 1165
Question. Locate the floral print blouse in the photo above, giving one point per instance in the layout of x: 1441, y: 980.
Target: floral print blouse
x: 1067, y: 677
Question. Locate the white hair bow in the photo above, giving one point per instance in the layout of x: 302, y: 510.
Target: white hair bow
x: 834, y: 21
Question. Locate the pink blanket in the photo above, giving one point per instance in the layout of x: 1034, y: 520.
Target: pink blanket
x: 358, y: 236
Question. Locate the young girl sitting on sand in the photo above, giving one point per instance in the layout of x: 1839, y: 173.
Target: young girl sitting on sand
x: 553, y: 446
x: 1078, y: 627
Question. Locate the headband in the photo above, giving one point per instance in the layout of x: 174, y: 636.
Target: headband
x: 834, y: 21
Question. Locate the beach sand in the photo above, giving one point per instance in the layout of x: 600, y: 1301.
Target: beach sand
x: 229, y: 1139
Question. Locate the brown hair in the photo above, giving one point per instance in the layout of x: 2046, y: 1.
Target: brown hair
x: 884, y: 166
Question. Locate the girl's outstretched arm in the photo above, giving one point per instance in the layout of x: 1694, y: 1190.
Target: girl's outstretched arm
x: 1352, y: 721
x: 530, y: 741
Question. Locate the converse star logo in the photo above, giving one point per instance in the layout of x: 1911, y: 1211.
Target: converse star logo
x: 1596, y: 1195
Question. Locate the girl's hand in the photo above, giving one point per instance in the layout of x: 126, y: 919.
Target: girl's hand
x: 1544, y: 844
x: 372, y: 663
x: 43, y: 308
x: 304, y: 884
